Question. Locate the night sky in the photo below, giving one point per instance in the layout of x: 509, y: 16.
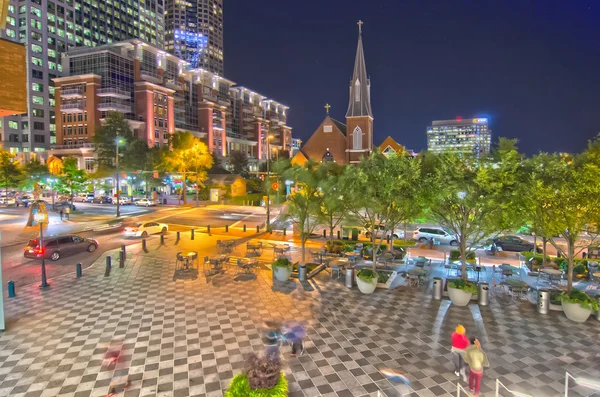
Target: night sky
x: 532, y: 67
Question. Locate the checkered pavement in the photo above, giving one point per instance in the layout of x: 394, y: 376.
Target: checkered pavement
x: 189, y: 337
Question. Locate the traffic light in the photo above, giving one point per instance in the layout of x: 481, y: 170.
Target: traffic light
x: 275, y: 186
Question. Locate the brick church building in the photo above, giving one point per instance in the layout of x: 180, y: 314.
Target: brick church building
x: 339, y: 142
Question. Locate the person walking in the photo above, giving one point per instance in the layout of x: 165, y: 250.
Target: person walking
x: 459, y: 343
x: 61, y: 214
x: 271, y: 339
x: 295, y: 332
x: 477, y: 359
x: 67, y: 212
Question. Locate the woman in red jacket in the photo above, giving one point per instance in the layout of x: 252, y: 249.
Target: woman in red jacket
x: 459, y: 343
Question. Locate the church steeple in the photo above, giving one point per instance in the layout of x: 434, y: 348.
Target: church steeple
x: 360, y: 86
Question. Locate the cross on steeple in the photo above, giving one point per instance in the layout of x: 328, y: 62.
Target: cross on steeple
x: 360, y: 23
x: 327, y: 107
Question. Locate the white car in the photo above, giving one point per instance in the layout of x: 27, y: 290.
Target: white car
x: 145, y: 202
x: 122, y: 201
x: 381, y: 232
x: 144, y: 229
x: 7, y: 200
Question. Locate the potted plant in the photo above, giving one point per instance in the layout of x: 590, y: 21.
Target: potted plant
x: 578, y: 305
x: 366, y: 280
x: 282, y: 268
x: 262, y: 377
x: 461, y: 291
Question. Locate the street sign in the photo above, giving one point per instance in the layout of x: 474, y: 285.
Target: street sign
x: 275, y: 186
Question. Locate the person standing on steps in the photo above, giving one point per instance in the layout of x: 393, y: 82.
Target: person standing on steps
x: 459, y: 343
x: 477, y: 359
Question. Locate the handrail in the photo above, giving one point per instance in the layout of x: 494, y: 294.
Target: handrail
x: 459, y: 387
x: 587, y: 383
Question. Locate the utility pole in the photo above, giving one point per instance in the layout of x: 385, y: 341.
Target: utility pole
x: 117, y: 164
x: 268, y: 184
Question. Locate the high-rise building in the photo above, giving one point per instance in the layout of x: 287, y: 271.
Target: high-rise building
x: 47, y: 28
x: 158, y: 96
x: 460, y: 135
x: 194, y: 32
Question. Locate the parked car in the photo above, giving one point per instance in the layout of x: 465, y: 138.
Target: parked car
x: 514, y: 243
x: 7, y: 200
x: 84, y: 198
x: 145, y: 202
x: 57, y: 247
x: 424, y: 234
x: 122, y: 201
x: 24, y: 200
x: 381, y: 232
x: 144, y: 229
x: 102, y: 200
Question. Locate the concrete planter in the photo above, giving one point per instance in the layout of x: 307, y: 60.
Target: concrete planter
x: 366, y: 287
x: 575, y: 312
x: 388, y: 284
x: 282, y: 273
x: 459, y: 297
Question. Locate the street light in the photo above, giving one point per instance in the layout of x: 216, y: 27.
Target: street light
x: 277, y: 151
x: 41, y: 218
x: 118, y: 141
x: 51, y: 183
x: 269, y: 137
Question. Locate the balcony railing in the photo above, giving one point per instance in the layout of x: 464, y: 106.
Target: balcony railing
x: 74, y: 92
x: 174, y: 85
x: 114, y: 92
x: 71, y: 107
x: 73, y: 146
x: 224, y: 102
x: 218, y: 126
x: 117, y: 107
x: 151, y: 76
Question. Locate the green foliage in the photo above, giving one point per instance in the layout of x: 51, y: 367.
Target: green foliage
x: 383, y: 277
x: 282, y: 262
x: 464, y: 285
x: 10, y: 171
x: 34, y: 172
x: 72, y: 180
x: 240, y: 387
x: 254, y: 185
x: 455, y: 255
x: 367, y: 275
x: 239, y: 162
x: 114, y: 127
x: 584, y: 300
x: 249, y: 199
x: 555, y: 297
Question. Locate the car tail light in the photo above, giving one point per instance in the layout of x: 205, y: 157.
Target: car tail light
x: 416, y: 232
x: 39, y: 251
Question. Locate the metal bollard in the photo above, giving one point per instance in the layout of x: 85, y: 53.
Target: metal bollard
x: 144, y: 244
x: 162, y: 239
x: 257, y: 229
x: 388, y: 240
x: 208, y: 229
x: 192, y: 231
x: 178, y: 235
x: 302, y: 272
x: 349, y: 277
x: 108, y: 266
x: 284, y: 231
x: 124, y: 249
x: 244, y: 228
x: 226, y: 228
x: 78, y: 270
x: 438, y: 285
x: 324, y: 233
x: 11, y: 289
x: 484, y: 291
x: 121, y: 259
x: 339, y: 235
x: 543, y: 301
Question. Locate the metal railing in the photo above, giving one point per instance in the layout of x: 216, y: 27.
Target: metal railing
x: 116, y: 92
x: 73, y: 146
x: 71, y: 106
x: 118, y: 107
x: 75, y: 91
x: 587, y: 383
x: 151, y: 75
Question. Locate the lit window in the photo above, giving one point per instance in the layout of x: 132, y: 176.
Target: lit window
x: 52, y: 53
x: 37, y: 87
x: 38, y: 100
x: 36, y: 48
x: 13, y: 125
x: 11, y: 33
x: 52, y: 65
x: 37, y: 61
x: 11, y: 21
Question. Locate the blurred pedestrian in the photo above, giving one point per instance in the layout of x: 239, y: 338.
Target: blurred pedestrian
x: 272, y: 338
x: 61, y: 214
x: 477, y: 360
x: 459, y: 343
x: 294, y: 332
x: 67, y: 212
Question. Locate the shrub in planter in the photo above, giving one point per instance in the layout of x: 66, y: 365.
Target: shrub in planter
x: 366, y: 280
x: 578, y: 305
x: 282, y: 268
x: 461, y: 291
x: 262, y: 377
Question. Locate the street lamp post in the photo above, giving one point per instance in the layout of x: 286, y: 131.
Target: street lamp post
x: 51, y: 183
x: 117, y: 165
x: 269, y: 137
x: 278, y: 202
x: 41, y: 218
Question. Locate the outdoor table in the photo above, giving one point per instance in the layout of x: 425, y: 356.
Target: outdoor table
x: 226, y: 245
x: 419, y: 273
x: 551, y: 273
x: 321, y: 255
x: 341, y: 262
x: 386, y: 259
x: 247, y: 264
x: 281, y: 249
x: 216, y: 261
x: 421, y: 261
x: 517, y: 286
x: 188, y: 257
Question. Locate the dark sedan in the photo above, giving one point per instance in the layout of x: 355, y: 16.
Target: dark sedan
x: 514, y: 243
x: 102, y: 200
x: 57, y: 247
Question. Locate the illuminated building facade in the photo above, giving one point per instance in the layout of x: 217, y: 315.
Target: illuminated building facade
x: 194, y: 33
x: 47, y: 28
x: 460, y: 135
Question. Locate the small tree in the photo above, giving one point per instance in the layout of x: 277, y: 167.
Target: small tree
x: 333, y: 207
x: 72, y: 179
x: 239, y: 162
x: 10, y: 171
x: 571, y: 201
x: 114, y: 127
x: 34, y: 172
x: 303, y: 205
x: 471, y: 197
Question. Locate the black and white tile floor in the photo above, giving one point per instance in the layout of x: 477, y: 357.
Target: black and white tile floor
x: 190, y: 337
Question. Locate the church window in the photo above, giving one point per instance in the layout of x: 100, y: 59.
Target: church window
x: 357, y: 138
x: 327, y: 128
x: 357, y: 91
